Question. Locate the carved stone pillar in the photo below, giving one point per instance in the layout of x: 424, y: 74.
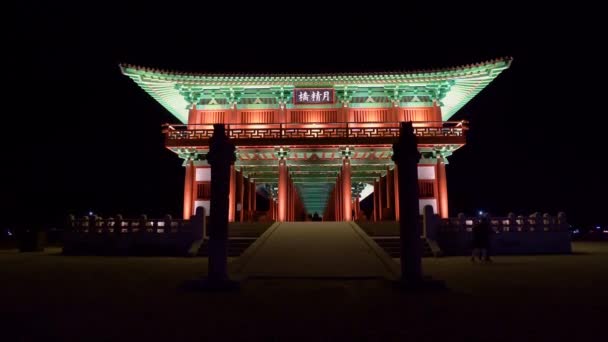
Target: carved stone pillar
x: 221, y: 157
x: 406, y: 156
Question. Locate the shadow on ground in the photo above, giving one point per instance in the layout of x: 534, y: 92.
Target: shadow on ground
x: 554, y: 297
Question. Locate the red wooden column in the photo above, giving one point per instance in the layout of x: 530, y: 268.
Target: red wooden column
x: 232, y: 195
x: 346, y: 190
x: 282, y: 200
x: 294, y: 201
x: 380, y: 198
x: 194, y: 190
x: 273, y: 208
x: 375, y: 194
x: 395, y: 110
x: 234, y: 115
x: 290, y: 199
x: 390, y: 193
x: 327, y: 212
x: 241, y: 196
x: 188, y: 189
x: 252, y: 199
x: 336, y: 202
x: 255, y: 198
x: 244, y: 197
x: 396, y: 189
x: 299, y: 207
x: 339, y: 194
x: 331, y: 206
x: 442, y: 184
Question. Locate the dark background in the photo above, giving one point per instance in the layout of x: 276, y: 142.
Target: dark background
x: 78, y: 136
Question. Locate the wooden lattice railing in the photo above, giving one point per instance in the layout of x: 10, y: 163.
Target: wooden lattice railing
x: 315, y: 131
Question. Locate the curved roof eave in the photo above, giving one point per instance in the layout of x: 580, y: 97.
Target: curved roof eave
x: 467, y: 81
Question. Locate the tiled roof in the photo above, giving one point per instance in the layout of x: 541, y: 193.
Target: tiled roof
x: 465, y: 82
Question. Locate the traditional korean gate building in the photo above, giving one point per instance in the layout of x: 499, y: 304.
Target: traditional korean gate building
x: 316, y: 141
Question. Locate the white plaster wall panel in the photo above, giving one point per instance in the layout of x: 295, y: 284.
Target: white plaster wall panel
x: 424, y: 202
x: 203, y: 174
x: 205, y: 204
x: 426, y: 172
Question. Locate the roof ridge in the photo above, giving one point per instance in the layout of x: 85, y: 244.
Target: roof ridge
x: 124, y: 66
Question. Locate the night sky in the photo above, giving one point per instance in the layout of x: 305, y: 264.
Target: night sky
x: 78, y: 135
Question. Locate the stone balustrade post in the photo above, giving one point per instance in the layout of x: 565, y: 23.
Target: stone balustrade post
x: 430, y: 223
x: 168, y: 220
x: 462, y: 221
x: 197, y: 223
x: 71, y: 223
x: 119, y: 222
x: 511, y: 218
x: 111, y: 224
x: 491, y: 222
x: 143, y: 223
x: 91, y: 223
x: 85, y: 224
x: 521, y: 222
x: 547, y: 222
x: 562, y: 222
x: 538, y: 221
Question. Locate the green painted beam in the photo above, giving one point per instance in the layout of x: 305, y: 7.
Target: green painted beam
x: 326, y: 163
x: 314, y: 181
x: 452, y: 87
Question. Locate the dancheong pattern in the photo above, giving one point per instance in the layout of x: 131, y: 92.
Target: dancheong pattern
x: 304, y: 131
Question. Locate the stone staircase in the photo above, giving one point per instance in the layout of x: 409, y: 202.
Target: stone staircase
x: 391, y: 245
x: 241, y: 236
x: 236, y: 246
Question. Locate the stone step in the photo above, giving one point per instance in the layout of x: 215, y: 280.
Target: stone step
x: 392, y: 246
x: 236, y: 246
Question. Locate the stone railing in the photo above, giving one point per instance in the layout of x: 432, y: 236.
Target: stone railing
x: 513, y: 234
x: 177, y: 134
x: 118, y: 224
x: 511, y: 223
x: 117, y: 235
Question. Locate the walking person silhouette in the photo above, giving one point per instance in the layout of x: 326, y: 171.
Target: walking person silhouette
x: 481, y: 240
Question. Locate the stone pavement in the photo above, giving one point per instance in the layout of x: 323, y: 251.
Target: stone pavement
x: 315, y: 250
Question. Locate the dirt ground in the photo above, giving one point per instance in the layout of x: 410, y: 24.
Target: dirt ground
x: 552, y: 297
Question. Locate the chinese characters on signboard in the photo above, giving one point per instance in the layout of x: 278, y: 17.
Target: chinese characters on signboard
x: 313, y: 95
